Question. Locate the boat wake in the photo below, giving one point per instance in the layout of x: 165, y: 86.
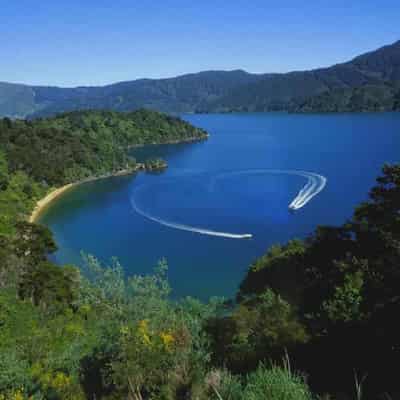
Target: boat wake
x: 315, y: 184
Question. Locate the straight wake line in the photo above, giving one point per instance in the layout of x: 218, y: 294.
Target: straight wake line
x: 315, y: 184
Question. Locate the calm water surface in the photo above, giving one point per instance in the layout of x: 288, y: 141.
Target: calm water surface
x: 348, y: 149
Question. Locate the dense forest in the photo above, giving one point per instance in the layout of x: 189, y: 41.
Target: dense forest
x: 325, y: 307
x: 372, y: 79
x: 80, y: 144
x: 367, y: 98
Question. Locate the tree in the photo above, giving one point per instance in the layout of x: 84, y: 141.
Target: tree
x: 4, y: 177
x: 48, y: 285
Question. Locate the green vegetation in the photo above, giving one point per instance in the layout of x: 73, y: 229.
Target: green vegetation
x: 365, y: 83
x: 330, y: 302
x: 155, y: 164
x: 368, y: 98
x: 120, y: 338
x: 18, y: 195
x: 78, y: 145
x: 342, y: 285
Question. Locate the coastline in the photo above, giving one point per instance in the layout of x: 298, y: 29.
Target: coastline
x: 57, y: 192
x: 177, y: 141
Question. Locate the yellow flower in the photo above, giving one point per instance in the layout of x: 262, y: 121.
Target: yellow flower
x: 144, y: 331
x: 18, y: 396
x: 167, y: 339
x: 146, y: 339
x: 144, y: 325
x: 60, y: 381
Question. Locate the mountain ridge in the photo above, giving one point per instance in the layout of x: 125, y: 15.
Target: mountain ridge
x: 223, y: 91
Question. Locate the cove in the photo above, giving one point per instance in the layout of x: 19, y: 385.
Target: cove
x: 98, y: 217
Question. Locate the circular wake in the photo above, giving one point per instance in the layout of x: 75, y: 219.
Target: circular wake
x: 315, y: 184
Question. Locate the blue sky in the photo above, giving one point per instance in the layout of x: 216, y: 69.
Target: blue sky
x: 86, y: 42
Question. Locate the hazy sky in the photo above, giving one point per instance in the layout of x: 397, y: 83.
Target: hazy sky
x: 87, y: 42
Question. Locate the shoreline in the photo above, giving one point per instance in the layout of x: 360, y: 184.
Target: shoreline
x: 177, y: 141
x: 45, y: 201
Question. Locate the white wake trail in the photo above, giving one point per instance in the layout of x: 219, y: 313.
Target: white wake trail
x: 315, y: 184
x: 189, y: 228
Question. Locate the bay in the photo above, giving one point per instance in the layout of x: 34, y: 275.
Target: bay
x: 212, y: 185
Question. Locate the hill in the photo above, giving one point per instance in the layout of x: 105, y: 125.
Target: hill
x: 291, y: 91
x: 182, y: 94
x: 81, y: 144
x: 223, y: 91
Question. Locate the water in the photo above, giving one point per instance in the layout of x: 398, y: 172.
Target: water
x: 204, y: 188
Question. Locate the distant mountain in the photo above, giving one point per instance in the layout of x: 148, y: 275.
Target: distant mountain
x: 292, y: 91
x: 369, y: 98
x: 371, y: 80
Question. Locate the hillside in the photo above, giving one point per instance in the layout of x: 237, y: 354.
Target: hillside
x: 182, y: 94
x: 216, y: 91
x: 76, y: 145
x: 367, y: 98
x: 290, y: 91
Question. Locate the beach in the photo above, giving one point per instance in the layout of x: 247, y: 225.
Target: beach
x: 54, y: 194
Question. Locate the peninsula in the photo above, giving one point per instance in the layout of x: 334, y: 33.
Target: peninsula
x: 46, y: 157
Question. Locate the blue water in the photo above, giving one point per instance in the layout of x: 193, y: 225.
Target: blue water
x: 348, y: 149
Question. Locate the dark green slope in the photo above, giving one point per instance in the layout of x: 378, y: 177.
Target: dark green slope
x: 290, y: 91
x: 383, y: 63
x: 367, y: 98
x: 181, y: 94
x: 82, y: 144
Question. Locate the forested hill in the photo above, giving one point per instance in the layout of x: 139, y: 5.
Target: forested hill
x: 226, y: 91
x: 295, y: 91
x: 371, y: 98
x: 76, y: 145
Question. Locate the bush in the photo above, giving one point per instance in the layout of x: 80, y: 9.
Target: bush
x: 275, y: 384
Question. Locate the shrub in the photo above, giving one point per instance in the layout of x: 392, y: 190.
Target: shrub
x: 275, y: 384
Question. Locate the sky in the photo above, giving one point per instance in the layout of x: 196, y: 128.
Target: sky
x: 86, y: 42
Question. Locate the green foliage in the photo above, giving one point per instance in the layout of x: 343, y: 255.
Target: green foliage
x: 46, y: 347
x: 370, y: 98
x: 223, y: 385
x: 279, y: 269
x: 159, y: 345
x: 345, y: 304
x: 258, y: 329
x: 4, y: 176
x: 14, y: 372
x: 17, y: 201
x: 275, y: 384
x: 77, y: 145
x: 155, y: 164
x: 346, y: 289
x: 49, y: 286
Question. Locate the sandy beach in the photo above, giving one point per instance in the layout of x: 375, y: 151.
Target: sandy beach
x: 46, y: 200
x: 54, y: 194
